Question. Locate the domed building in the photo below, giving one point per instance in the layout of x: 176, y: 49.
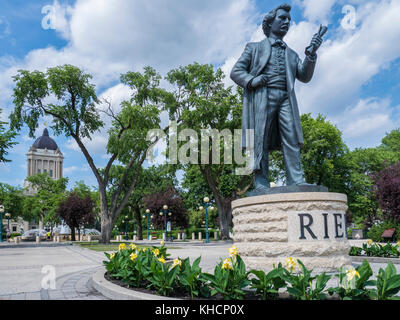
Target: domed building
x: 45, y: 156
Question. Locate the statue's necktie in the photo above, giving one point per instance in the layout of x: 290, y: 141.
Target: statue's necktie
x: 280, y: 43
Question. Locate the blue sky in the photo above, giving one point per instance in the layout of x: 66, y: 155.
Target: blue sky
x: 356, y: 83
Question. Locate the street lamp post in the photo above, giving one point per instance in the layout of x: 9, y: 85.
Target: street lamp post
x: 207, y: 204
x: 165, y: 213
x: 148, y: 215
x: 1, y: 222
x: 8, y: 215
x: 126, y: 227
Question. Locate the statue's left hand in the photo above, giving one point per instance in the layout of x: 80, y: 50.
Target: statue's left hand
x: 316, y: 42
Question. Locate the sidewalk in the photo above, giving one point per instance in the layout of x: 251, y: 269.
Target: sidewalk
x: 21, y: 268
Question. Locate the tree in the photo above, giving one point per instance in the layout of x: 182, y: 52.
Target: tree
x: 150, y: 180
x: 44, y: 203
x: 6, y: 140
x: 75, y: 115
x: 12, y: 199
x: 391, y: 141
x: 362, y: 165
x: 201, y: 101
x: 387, y: 190
x: 322, y: 156
x: 83, y: 190
x: 76, y: 211
x: 170, y: 197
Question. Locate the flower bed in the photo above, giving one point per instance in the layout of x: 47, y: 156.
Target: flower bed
x: 149, y: 271
x: 372, y: 249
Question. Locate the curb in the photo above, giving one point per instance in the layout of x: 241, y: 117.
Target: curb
x: 374, y: 259
x: 115, y: 292
x: 44, y: 245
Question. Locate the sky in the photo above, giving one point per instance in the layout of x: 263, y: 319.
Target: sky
x: 356, y: 84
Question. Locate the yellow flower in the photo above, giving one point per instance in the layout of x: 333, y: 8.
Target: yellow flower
x: 132, y: 246
x: 122, y: 246
x: 112, y: 255
x: 369, y: 242
x: 133, y: 256
x: 144, y: 249
x: 227, y: 264
x: 233, y: 252
x: 162, y: 260
x: 156, y: 252
x: 162, y: 242
x: 398, y: 243
x: 291, y: 264
x: 177, y: 262
x: 351, y: 273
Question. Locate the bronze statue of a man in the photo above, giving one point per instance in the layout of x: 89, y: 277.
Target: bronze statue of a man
x: 267, y: 71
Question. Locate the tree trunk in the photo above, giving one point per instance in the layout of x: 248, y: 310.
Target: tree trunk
x: 72, y: 233
x: 225, y: 216
x: 106, y: 229
x: 139, y: 229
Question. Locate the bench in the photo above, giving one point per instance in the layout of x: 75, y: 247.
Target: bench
x: 388, y: 234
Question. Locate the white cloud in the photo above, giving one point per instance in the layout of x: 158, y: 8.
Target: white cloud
x: 317, y: 10
x: 366, y: 122
x: 69, y: 170
x: 95, y: 146
x: 349, y: 61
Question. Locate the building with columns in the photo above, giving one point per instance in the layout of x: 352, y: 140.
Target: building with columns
x: 44, y: 156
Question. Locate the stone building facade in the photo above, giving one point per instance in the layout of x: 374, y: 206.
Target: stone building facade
x: 44, y: 156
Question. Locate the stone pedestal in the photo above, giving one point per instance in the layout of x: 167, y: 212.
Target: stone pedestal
x: 310, y: 226
x: 200, y: 236
x: 37, y: 239
x: 215, y: 235
x: 193, y: 236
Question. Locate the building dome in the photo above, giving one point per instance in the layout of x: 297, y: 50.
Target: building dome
x: 45, y: 142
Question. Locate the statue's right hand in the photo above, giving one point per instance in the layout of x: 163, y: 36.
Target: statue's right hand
x: 259, y: 81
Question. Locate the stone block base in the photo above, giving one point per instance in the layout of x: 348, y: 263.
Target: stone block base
x: 309, y: 226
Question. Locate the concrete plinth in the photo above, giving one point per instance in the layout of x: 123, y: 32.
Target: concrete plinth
x: 310, y: 226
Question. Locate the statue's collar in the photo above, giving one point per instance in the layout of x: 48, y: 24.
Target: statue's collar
x: 273, y: 40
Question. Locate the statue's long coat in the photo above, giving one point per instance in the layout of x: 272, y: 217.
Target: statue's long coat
x: 250, y: 65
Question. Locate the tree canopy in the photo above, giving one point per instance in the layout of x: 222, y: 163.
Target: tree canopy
x: 6, y: 140
x: 76, y: 114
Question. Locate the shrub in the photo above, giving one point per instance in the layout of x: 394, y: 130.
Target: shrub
x: 353, y: 283
x: 376, y: 231
x: 229, y: 278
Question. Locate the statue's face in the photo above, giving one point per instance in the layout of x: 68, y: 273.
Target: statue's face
x: 280, y: 26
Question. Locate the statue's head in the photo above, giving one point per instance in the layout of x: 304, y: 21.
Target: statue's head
x: 277, y: 21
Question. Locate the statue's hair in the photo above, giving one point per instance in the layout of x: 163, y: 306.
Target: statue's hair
x: 270, y: 17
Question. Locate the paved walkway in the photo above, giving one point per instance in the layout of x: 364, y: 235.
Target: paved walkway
x: 24, y: 269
